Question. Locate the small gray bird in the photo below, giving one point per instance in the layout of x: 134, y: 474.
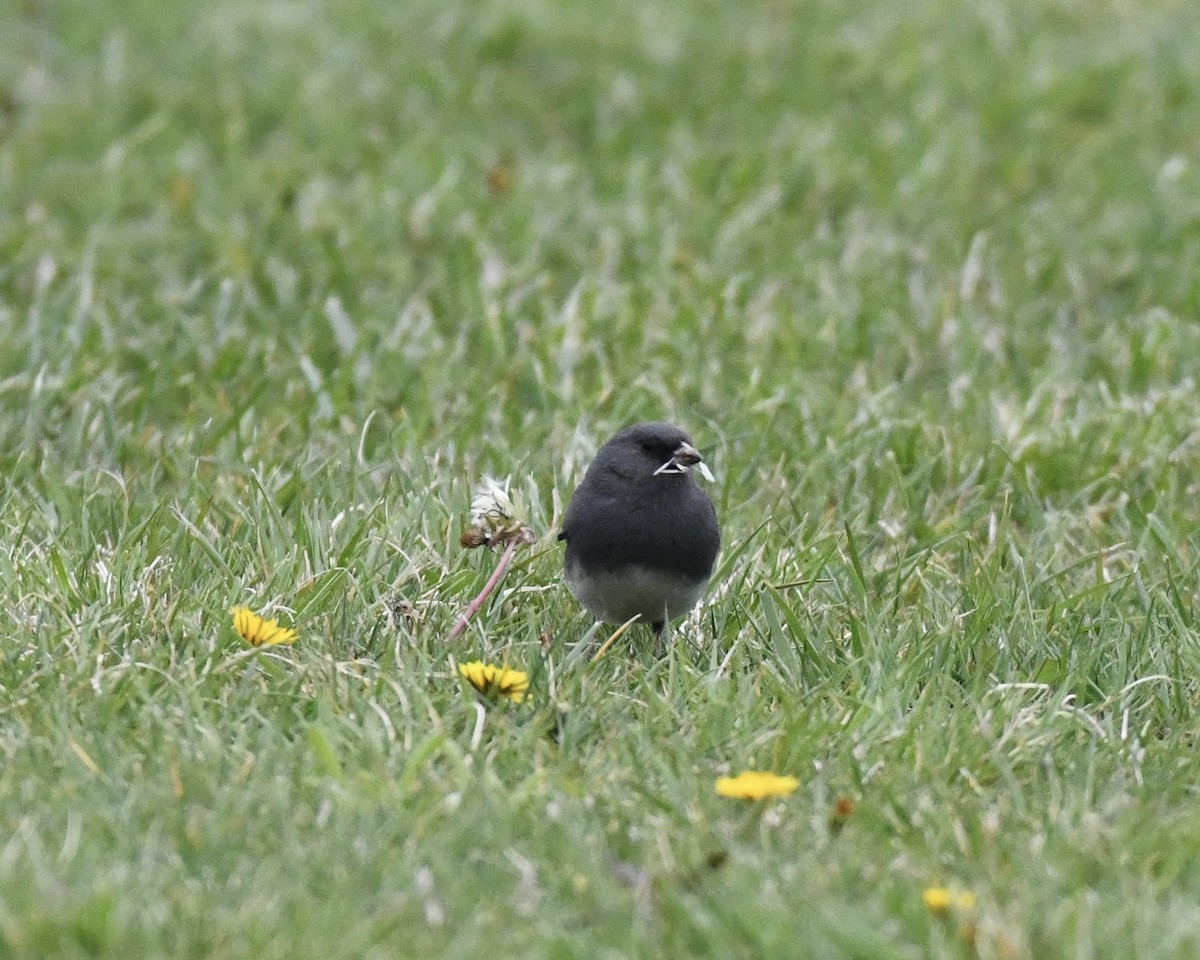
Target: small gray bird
x: 642, y: 537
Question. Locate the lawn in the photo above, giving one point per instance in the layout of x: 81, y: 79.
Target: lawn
x: 281, y: 282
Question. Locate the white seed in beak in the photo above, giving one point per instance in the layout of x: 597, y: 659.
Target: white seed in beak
x: 685, y: 456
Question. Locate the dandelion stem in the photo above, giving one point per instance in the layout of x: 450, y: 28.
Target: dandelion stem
x: 477, y: 604
x: 477, y: 733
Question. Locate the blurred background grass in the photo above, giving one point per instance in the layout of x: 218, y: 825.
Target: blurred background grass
x: 279, y: 281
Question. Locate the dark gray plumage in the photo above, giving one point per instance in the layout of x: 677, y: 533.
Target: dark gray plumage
x: 642, y: 537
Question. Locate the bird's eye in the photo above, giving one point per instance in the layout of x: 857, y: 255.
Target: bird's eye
x: 647, y: 447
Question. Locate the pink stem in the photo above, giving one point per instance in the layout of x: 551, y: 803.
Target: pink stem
x: 477, y: 604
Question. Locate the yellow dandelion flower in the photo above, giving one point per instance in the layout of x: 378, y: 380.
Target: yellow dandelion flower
x: 493, y: 681
x: 753, y: 785
x: 259, y: 632
x: 942, y: 899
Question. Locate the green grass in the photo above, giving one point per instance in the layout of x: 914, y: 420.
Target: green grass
x: 279, y: 282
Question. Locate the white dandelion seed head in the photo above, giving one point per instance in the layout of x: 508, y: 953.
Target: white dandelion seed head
x: 492, y: 510
x: 494, y: 518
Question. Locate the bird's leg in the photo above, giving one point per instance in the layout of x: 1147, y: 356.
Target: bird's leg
x: 660, y: 637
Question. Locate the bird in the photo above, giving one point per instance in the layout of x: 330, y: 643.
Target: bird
x: 641, y: 534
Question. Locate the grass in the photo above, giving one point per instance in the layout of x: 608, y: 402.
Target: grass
x: 280, y: 282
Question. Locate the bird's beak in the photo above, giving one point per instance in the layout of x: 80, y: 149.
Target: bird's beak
x: 685, y: 456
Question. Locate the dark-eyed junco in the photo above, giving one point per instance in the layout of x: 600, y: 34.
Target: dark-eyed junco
x: 641, y: 535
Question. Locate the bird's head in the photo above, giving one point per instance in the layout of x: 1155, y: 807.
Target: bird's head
x: 655, y: 450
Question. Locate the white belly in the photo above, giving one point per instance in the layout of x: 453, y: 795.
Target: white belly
x: 617, y: 596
